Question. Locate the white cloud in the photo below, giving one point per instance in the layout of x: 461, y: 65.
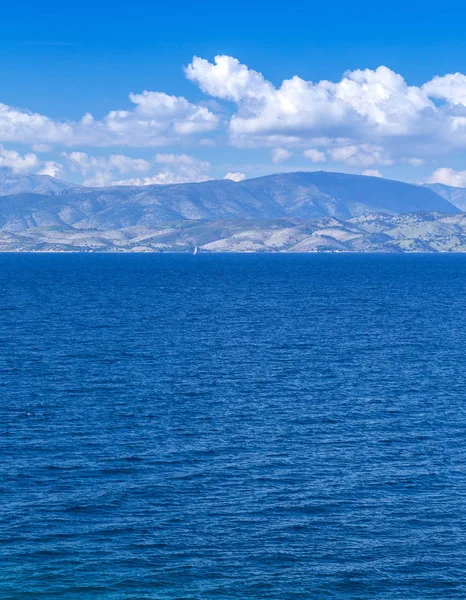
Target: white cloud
x: 18, y: 163
x: 368, y: 118
x: 207, y: 142
x: 378, y: 102
x: 33, y: 128
x: 160, y: 110
x: 280, y: 155
x: 181, y: 159
x: 100, y: 171
x: 156, y: 119
x: 235, y: 176
x: 51, y: 168
x: 364, y: 155
x: 415, y: 162
x: 408, y: 124
x: 451, y: 87
x: 166, y: 178
x: 372, y: 173
x: 448, y: 177
x: 181, y: 168
x: 315, y: 155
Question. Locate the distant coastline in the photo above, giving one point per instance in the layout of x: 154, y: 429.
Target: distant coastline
x: 414, y: 232
x: 288, y: 212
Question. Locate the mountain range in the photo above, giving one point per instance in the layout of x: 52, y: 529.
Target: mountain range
x: 31, y: 183
x: 335, y: 211
x: 454, y: 195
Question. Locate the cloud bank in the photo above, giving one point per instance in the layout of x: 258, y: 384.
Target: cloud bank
x: 448, y: 177
x: 367, y: 119
x: 156, y: 119
x: 100, y: 171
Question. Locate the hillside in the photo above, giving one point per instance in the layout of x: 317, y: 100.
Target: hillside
x: 454, y: 195
x: 321, y: 193
x: 11, y: 183
x: 303, y: 196
x: 414, y: 232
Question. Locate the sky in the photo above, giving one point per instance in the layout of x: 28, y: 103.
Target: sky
x: 107, y: 92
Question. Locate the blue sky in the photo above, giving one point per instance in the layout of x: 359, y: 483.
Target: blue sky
x: 60, y: 62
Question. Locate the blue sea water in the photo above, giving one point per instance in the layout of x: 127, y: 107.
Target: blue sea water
x: 232, y: 426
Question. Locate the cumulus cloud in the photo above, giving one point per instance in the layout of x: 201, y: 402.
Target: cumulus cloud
x: 101, y: 171
x: 207, y: 142
x: 415, y: 162
x: 315, y: 155
x: 378, y: 102
x: 18, y: 163
x: 377, y: 108
x: 448, y: 177
x: 363, y: 155
x: 166, y: 178
x: 182, y: 160
x: 156, y: 119
x: 279, y: 155
x: 180, y: 168
x: 451, y: 88
x: 51, y: 168
x: 368, y: 118
x: 235, y: 176
x: 372, y: 173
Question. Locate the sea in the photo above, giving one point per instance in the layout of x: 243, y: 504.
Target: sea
x: 280, y: 426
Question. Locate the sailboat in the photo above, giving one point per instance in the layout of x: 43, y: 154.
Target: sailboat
x: 195, y: 250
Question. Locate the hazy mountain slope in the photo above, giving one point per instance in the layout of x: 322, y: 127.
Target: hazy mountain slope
x: 125, y: 206
x: 11, y: 183
x: 307, y: 195
x: 454, y: 195
x: 301, y: 195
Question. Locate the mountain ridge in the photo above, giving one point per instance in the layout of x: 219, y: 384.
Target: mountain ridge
x: 11, y: 183
x: 377, y: 232
x: 454, y: 195
x: 285, y: 212
x: 304, y: 195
